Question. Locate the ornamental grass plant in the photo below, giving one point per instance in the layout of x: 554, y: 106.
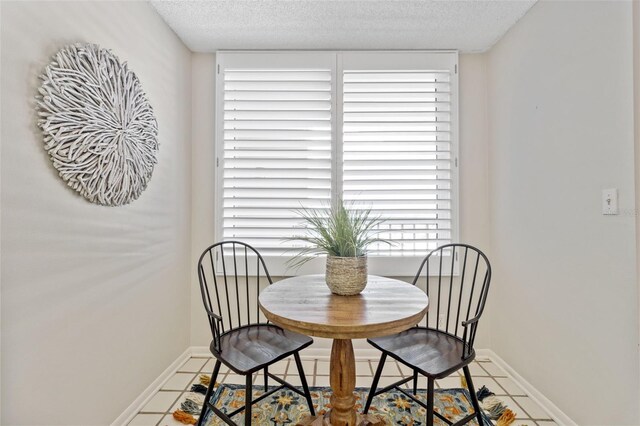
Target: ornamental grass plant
x: 339, y: 231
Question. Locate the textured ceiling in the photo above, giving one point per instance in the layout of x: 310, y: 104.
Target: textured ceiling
x: 469, y: 26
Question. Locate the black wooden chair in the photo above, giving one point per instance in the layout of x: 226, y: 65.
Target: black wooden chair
x: 243, y: 340
x: 445, y: 343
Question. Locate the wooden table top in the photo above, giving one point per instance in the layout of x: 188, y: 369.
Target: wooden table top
x: 306, y: 305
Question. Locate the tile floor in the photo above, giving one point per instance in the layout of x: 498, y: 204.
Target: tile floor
x: 158, y: 411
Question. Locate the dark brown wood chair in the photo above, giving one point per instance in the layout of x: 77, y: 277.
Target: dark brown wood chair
x: 243, y: 339
x: 457, y: 288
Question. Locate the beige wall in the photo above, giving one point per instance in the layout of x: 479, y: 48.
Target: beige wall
x: 561, y: 129
x: 203, y: 159
x: 95, y: 300
x: 474, y: 200
x: 636, y: 117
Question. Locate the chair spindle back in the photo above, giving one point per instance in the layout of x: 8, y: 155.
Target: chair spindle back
x: 456, y: 278
x: 231, y: 274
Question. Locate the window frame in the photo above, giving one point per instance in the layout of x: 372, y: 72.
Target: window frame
x: 369, y: 59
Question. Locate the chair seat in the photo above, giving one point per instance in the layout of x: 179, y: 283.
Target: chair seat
x: 251, y: 348
x: 433, y: 353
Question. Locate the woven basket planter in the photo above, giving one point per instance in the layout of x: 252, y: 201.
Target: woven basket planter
x: 346, y: 276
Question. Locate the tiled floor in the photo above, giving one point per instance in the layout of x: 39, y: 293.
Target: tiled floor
x: 158, y: 411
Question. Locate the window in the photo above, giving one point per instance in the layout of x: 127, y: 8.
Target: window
x: 378, y: 129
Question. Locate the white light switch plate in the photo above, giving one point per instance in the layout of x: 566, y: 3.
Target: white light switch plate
x: 610, y: 201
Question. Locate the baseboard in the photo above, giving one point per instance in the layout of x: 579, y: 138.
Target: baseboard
x: 200, y: 351
x: 131, y: 411
x: 556, y: 413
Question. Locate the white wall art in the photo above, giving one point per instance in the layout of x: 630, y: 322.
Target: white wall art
x: 99, y: 128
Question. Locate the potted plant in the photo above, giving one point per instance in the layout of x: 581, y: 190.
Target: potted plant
x: 343, y: 234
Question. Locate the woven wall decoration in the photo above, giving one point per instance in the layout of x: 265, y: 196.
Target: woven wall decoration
x: 99, y: 128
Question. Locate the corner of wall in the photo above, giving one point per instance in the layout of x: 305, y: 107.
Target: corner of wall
x: 636, y: 125
x: 202, y: 181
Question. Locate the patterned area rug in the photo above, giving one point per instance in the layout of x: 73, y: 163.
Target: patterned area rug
x: 287, y: 407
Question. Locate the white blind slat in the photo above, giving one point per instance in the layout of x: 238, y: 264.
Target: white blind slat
x: 302, y: 114
x: 393, y: 97
x: 396, y: 137
x: 284, y: 98
x: 277, y: 75
x: 385, y: 107
x: 360, y: 164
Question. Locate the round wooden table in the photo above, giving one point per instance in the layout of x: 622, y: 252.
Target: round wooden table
x: 306, y: 305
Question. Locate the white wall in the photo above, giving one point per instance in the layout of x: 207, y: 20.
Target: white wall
x: 561, y: 129
x: 95, y: 300
x: 474, y: 189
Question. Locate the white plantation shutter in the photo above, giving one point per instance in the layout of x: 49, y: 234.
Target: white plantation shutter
x: 397, y: 155
x: 378, y: 129
x: 276, y: 153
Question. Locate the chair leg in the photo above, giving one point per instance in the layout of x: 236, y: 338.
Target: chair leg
x: 430, y: 397
x: 303, y: 380
x: 474, y: 396
x: 247, y: 400
x: 374, y: 385
x: 212, y: 384
x: 415, y: 382
x: 266, y: 379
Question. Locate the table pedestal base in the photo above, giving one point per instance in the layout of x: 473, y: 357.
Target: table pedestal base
x: 343, y: 382
x: 361, y: 420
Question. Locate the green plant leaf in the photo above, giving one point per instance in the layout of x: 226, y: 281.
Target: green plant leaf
x: 336, y: 231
